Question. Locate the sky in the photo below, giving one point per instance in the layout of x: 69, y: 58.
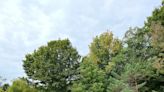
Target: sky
x: 26, y: 25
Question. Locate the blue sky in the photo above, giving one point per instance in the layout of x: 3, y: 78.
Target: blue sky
x: 27, y: 24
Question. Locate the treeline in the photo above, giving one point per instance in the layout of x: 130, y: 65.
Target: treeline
x: 133, y: 64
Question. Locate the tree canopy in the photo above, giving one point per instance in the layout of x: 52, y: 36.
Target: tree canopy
x: 53, y: 66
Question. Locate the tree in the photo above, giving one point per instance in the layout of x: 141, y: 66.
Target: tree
x: 155, y: 24
x: 133, y: 77
x: 157, y: 16
x: 138, y: 42
x: 158, y: 43
x: 5, y: 87
x: 91, y: 78
x: 53, y: 66
x: 136, y: 69
x: 21, y: 86
x: 103, y: 48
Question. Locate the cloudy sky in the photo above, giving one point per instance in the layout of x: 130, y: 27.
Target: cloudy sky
x: 28, y: 24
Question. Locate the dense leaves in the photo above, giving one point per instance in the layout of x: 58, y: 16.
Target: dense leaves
x: 21, y: 86
x: 53, y: 66
x: 91, y: 78
x: 103, y: 48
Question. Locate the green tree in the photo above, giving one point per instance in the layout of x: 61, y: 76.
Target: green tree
x: 103, y: 48
x: 155, y: 24
x: 133, y: 65
x: 91, y: 78
x: 157, y: 16
x: 53, y: 66
x: 132, y: 78
x: 5, y: 87
x: 138, y: 42
x: 21, y: 86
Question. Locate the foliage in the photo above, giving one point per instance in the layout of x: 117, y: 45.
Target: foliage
x: 53, y: 66
x: 21, y: 86
x: 117, y: 86
x: 144, y: 45
x: 91, y: 78
x: 103, y: 48
x: 156, y: 26
x: 133, y: 77
x: 157, y: 16
x: 158, y: 43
